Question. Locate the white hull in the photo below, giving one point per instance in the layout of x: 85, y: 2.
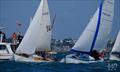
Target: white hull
x: 6, y: 51
x: 6, y: 56
x: 29, y: 59
x: 112, y: 57
x: 69, y: 59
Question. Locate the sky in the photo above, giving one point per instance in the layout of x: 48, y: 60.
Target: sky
x: 72, y: 16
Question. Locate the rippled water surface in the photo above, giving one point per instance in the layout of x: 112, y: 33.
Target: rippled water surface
x: 12, y: 66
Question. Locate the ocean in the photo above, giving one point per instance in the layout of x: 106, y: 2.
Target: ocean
x: 12, y: 66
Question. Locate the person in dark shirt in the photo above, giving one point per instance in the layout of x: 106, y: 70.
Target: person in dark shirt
x: 95, y: 54
x: 14, y: 37
x: 2, y: 36
x: 20, y: 37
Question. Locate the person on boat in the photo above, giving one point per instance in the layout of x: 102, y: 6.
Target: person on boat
x: 41, y: 53
x: 2, y: 36
x: 45, y: 55
x: 20, y: 37
x: 14, y: 37
x: 97, y: 55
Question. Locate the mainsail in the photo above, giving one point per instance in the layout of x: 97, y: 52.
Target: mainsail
x: 96, y: 33
x: 38, y: 35
x: 116, y: 47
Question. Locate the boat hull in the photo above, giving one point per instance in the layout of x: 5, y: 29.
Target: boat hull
x: 29, y: 59
x: 6, y: 56
x: 112, y: 57
x: 69, y: 59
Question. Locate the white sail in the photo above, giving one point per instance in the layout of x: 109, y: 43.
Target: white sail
x: 115, y: 53
x: 116, y: 47
x: 44, y: 40
x: 106, y: 24
x: 85, y: 41
x: 96, y: 33
x: 31, y: 19
x: 38, y: 34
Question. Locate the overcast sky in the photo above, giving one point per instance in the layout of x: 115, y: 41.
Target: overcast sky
x: 72, y: 15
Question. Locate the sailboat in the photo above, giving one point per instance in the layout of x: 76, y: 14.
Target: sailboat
x: 115, y: 53
x: 95, y: 35
x: 37, y: 37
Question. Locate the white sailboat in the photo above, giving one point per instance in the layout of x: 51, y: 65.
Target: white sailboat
x: 37, y: 37
x: 95, y: 35
x: 115, y: 53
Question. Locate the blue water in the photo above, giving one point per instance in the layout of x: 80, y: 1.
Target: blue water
x: 12, y: 66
